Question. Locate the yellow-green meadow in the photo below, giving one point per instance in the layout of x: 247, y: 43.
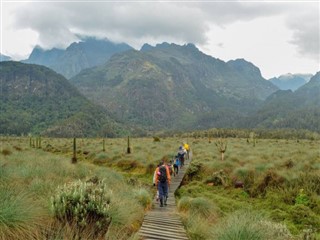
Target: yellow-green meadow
x: 106, y: 193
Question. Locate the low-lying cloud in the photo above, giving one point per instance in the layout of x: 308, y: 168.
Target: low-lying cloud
x: 58, y: 24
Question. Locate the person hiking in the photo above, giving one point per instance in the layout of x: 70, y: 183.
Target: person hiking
x: 187, y: 148
x: 170, y: 166
x: 176, y: 165
x: 162, y: 180
x: 181, y: 154
x: 154, y: 181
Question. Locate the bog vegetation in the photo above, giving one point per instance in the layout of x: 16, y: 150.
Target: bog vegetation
x: 260, y: 188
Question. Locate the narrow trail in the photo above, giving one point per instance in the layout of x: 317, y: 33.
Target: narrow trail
x: 164, y: 223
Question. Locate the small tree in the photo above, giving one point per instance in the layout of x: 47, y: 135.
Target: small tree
x: 222, y: 146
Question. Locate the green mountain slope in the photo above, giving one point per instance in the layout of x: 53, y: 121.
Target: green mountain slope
x: 78, y: 56
x: 287, y: 109
x: 35, y: 99
x: 174, y: 87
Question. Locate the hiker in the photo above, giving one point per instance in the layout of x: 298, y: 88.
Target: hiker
x: 170, y: 166
x: 187, y: 148
x: 176, y: 165
x: 154, y: 182
x: 181, y: 154
x: 162, y: 180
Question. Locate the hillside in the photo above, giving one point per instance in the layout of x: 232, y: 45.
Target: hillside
x: 290, y: 81
x: 78, y: 56
x: 4, y: 58
x: 35, y: 99
x: 174, y: 87
x: 287, y: 109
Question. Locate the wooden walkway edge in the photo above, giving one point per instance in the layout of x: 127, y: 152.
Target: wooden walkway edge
x: 164, y: 223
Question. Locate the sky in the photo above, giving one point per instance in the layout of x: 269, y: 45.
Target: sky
x: 279, y: 37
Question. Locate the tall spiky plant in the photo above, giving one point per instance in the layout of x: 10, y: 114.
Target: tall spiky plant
x: 222, y: 146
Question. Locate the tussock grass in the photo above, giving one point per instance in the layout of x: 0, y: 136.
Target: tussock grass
x: 20, y: 216
x: 248, y: 225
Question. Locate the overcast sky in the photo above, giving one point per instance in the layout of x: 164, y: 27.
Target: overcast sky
x: 277, y: 36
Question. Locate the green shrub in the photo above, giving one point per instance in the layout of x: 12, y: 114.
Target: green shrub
x: 193, y: 171
x: 85, y: 204
x: 303, y: 215
x: 302, y: 198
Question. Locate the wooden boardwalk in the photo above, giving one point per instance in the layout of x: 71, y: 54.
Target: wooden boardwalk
x: 164, y: 222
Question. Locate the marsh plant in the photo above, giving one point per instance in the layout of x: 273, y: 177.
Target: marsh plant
x: 84, y: 204
x: 222, y: 146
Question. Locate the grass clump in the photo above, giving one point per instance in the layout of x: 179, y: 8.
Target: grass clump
x: 19, y: 215
x: 247, y: 225
x: 143, y: 197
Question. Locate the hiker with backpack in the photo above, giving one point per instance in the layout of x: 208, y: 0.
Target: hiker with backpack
x: 187, y: 148
x: 176, y: 165
x: 181, y: 154
x: 154, y: 181
x: 162, y: 180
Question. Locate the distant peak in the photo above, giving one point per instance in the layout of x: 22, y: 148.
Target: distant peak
x: 163, y: 45
x: 146, y: 47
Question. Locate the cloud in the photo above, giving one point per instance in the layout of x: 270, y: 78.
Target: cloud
x: 305, y: 26
x: 60, y: 23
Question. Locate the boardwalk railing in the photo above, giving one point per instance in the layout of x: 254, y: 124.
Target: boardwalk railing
x: 164, y: 223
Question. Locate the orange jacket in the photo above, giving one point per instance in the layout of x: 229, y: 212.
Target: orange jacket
x: 168, y: 175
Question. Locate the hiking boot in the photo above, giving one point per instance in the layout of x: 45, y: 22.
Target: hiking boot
x: 161, y: 202
x: 165, y: 201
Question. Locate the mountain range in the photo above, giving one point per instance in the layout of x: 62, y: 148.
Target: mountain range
x: 287, y: 109
x: 172, y: 86
x: 290, y: 81
x: 4, y: 58
x: 79, y: 55
x: 158, y: 88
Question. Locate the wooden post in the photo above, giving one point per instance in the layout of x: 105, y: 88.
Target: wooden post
x: 74, y: 158
x: 128, y: 148
x: 39, y: 141
x: 30, y: 141
x: 103, y: 145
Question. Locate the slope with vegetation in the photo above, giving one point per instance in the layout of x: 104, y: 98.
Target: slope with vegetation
x: 87, y: 53
x: 172, y: 86
x: 35, y: 99
x: 287, y: 109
